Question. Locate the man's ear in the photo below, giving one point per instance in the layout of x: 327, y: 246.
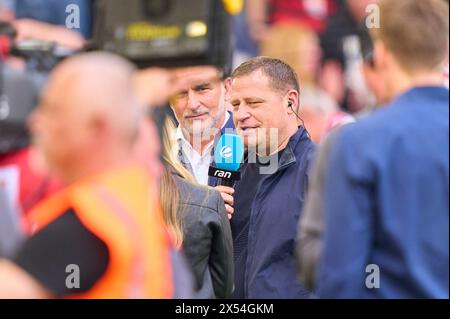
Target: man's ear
x: 292, y: 101
x: 227, y: 85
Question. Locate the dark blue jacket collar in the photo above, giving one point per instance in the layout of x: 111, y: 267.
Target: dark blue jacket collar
x: 288, y: 157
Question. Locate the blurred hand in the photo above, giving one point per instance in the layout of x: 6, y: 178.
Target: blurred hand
x: 155, y: 86
x: 28, y: 29
x: 227, y: 196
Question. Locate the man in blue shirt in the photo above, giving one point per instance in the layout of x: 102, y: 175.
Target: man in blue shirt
x: 387, y: 177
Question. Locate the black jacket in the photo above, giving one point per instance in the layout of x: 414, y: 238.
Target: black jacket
x: 207, y: 242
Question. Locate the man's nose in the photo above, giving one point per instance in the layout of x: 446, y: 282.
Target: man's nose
x: 193, y: 101
x: 241, y: 114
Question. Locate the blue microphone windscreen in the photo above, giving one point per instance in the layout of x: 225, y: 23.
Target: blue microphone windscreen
x: 229, y: 152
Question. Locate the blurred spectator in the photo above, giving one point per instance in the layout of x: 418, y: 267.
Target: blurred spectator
x: 303, y: 52
x: 386, y: 177
x: 244, y: 46
x: 311, y: 225
x: 107, y: 222
x: 26, y: 184
x: 198, y: 217
x: 341, y: 74
x: 311, y: 14
x: 320, y: 114
x: 309, y: 239
x: 11, y: 233
x: 288, y: 30
x: 19, y: 91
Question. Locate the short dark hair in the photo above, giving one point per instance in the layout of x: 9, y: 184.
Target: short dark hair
x: 281, y: 75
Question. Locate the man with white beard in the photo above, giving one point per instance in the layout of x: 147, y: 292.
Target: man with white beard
x: 200, y: 109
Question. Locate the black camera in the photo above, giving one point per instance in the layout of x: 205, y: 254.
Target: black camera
x: 19, y: 92
x: 166, y: 33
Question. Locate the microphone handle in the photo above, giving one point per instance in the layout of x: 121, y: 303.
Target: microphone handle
x: 226, y: 182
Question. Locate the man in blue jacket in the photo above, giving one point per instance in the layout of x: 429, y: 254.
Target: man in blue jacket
x: 387, y: 177
x: 269, y: 197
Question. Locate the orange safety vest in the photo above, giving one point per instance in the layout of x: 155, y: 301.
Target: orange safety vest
x: 120, y: 209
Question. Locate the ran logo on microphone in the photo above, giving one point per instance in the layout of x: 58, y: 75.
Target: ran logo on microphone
x: 222, y: 174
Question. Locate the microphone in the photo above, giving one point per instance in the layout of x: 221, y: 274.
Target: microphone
x: 228, y: 156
